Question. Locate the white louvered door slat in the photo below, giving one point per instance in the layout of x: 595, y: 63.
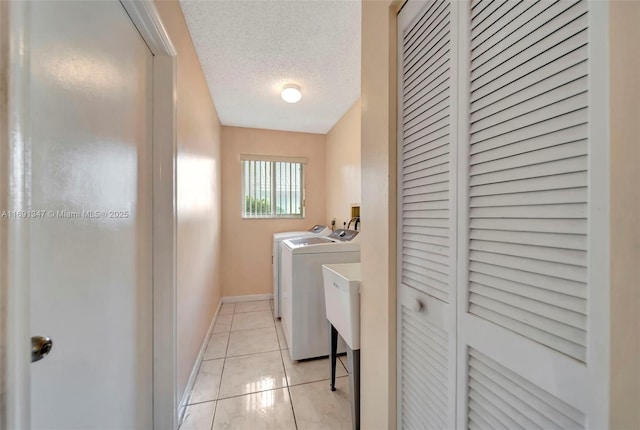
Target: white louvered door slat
x: 426, y: 215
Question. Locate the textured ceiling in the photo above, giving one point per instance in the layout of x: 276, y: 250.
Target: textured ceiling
x: 250, y: 49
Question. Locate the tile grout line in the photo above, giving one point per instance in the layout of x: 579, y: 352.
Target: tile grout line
x: 284, y: 368
x: 266, y: 390
x: 202, y: 402
x: 236, y: 311
x: 223, y: 365
x: 343, y: 365
x: 247, y: 329
x: 215, y: 409
x: 228, y: 333
x: 248, y: 354
x: 293, y: 411
x: 243, y: 329
x: 269, y: 389
x: 287, y: 386
x: 252, y: 328
x: 226, y: 353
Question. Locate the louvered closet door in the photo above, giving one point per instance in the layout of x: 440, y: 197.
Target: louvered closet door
x: 533, y: 265
x: 426, y: 204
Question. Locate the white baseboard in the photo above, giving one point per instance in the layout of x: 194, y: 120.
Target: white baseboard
x: 182, y: 407
x: 247, y: 298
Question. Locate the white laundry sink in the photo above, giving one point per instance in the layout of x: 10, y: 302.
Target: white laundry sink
x: 342, y: 300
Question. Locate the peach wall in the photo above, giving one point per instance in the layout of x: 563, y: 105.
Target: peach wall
x: 246, y: 260
x: 378, y: 249
x: 343, y: 166
x: 198, y: 199
x: 625, y: 214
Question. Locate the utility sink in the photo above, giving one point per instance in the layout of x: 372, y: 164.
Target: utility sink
x: 342, y: 300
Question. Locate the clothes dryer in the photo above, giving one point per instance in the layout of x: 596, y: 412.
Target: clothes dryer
x: 316, y: 230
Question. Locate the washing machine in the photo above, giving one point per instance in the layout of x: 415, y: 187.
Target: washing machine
x: 316, y: 230
x: 304, y: 319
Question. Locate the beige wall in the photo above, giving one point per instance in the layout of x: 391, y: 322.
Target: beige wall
x: 343, y: 165
x: 378, y: 249
x: 246, y: 260
x: 198, y: 177
x: 625, y: 214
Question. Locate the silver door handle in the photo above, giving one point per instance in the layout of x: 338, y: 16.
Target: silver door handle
x: 40, y: 347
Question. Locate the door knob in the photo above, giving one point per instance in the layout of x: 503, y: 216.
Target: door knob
x: 417, y: 306
x: 40, y: 347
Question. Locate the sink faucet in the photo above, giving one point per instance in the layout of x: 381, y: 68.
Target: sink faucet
x: 356, y: 221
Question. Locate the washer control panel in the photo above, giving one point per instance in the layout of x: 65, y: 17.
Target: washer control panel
x: 317, y: 228
x: 344, y: 235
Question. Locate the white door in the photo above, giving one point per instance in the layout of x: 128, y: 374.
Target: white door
x: 90, y: 248
x: 533, y: 259
x: 427, y: 214
x: 503, y: 203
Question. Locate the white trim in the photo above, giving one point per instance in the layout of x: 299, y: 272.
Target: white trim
x: 456, y: 135
x: 14, y: 280
x: 247, y: 298
x: 145, y: 17
x: 184, y: 401
x: 400, y: 25
x: 598, y: 323
x: 164, y: 242
x: 462, y: 209
x: 274, y: 158
x: 147, y: 20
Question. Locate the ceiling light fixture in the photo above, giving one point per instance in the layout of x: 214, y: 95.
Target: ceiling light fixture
x: 291, y: 94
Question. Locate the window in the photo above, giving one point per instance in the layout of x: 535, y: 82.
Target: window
x: 272, y: 187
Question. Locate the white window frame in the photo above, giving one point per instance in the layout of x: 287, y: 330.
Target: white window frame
x: 272, y: 159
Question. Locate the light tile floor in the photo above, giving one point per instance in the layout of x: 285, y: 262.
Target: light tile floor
x: 247, y: 380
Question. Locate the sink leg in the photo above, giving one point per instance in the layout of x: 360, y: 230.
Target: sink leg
x: 353, y: 359
x: 333, y: 354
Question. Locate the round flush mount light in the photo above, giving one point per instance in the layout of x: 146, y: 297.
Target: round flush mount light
x: 291, y: 94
